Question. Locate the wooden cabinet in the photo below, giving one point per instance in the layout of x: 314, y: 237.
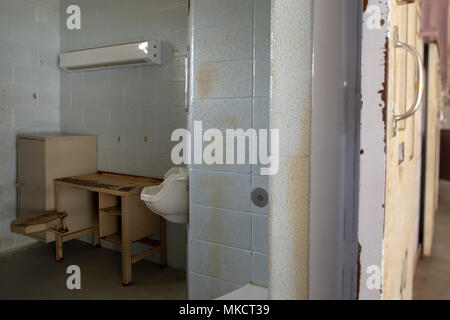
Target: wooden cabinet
x: 40, y: 160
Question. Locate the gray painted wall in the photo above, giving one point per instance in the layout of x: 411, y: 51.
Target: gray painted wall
x: 335, y: 150
x: 132, y: 110
x: 230, y: 68
x: 29, y: 91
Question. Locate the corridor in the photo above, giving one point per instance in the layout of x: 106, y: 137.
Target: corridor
x: 432, y: 279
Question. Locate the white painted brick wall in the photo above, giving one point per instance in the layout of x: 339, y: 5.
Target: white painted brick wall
x: 29, y: 91
x: 259, y: 268
x: 204, y: 287
x: 222, y: 262
x: 231, y: 69
x: 132, y: 110
x: 129, y: 103
x: 221, y: 226
x: 260, y: 241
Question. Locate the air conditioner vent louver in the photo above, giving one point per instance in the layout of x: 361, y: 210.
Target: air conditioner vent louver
x: 124, y: 55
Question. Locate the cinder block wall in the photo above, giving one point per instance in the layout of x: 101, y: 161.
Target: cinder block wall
x: 132, y: 110
x: 29, y: 91
x: 228, y: 240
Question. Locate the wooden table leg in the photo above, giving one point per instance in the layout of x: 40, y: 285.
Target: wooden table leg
x: 58, y: 246
x: 57, y: 197
x: 126, y: 241
x: 58, y: 208
x: 163, y: 239
x: 96, y: 222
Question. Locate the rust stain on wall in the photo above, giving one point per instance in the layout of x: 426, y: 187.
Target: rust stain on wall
x: 218, y: 186
x: 206, y: 79
x: 230, y: 121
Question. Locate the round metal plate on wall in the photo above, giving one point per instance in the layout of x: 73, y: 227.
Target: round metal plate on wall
x: 260, y: 198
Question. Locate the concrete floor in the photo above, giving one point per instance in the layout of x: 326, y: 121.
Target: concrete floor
x: 32, y: 273
x: 432, y: 279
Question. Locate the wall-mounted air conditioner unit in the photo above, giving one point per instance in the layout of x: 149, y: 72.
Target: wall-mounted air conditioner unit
x: 124, y: 55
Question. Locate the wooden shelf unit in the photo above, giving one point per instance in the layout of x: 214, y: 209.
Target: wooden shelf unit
x: 115, y: 210
x: 44, y: 158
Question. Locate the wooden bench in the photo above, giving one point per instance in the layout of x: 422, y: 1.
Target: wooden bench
x: 51, y: 221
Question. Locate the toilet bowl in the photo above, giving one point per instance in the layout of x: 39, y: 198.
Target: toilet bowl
x: 170, y: 199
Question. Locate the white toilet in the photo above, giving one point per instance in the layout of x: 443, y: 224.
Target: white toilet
x: 170, y: 199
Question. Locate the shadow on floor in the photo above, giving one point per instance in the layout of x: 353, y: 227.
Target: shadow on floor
x: 432, y: 279
x: 32, y: 273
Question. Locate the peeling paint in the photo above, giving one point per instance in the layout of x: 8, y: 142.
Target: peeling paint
x: 365, y: 4
x: 385, y: 84
x: 375, y: 92
x: 384, y: 92
x: 358, y: 272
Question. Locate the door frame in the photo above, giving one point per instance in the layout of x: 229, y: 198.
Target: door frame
x: 372, y: 173
x: 335, y: 151
x: 377, y: 240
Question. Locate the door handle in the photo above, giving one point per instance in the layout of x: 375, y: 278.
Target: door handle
x: 419, y: 66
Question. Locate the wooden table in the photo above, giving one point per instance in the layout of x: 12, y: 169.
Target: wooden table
x: 122, y: 217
